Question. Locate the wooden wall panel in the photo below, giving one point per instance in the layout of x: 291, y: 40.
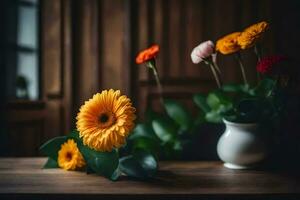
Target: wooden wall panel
x: 112, y: 31
x: 143, y: 34
x: 25, y: 128
x: 158, y: 34
x: 67, y: 64
x: 174, y: 38
x: 85, y: 50
x: 52, y: 68
x: 25, y: 138
x: 50, y: 43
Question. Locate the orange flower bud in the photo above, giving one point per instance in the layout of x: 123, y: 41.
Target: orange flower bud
x: 228, y: 44
x: 252, y: 34
x: 147, y: 54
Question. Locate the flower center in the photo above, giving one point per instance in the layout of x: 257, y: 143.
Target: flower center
x: 106, y: 119
x: 103, y: 118
x: 69, y: 156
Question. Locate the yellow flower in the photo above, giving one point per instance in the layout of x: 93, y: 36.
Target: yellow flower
x: 105, y: 121
x: 228, y: 44
x: 69, y: 156
x: 251, y: 34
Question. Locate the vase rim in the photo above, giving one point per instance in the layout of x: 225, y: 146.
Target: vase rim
x: 239, y: 123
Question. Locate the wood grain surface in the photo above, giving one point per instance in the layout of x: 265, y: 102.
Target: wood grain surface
x: 24, y: 178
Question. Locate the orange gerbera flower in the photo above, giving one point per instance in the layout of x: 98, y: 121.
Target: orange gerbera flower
x: 228, y: 44
x: 147, y: 54
x: 69, y: 156
x: 105, y: 121
x: 252, y: 34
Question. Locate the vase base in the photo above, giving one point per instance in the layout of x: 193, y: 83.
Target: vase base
x: 233, y: 166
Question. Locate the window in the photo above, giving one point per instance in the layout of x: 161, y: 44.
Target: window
x: 27, y: 50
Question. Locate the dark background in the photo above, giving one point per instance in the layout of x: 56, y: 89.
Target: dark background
x: 86, y: 46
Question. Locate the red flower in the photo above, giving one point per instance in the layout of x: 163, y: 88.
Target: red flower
x: 267, y: 64
x: 147, y: 54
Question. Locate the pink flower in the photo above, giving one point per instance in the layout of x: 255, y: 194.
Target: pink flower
x: 203, y: 50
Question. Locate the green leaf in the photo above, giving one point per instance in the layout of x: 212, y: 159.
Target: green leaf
x: 74, y: 134
x: 143, y: 130
x: 52, y: 146
x: 200, y: 101
x: 147, y: 144
x: 117, y: 173
x: 178, y: 113
x: 219, y: 103
x: 50, y: 164
x: 214, y: 99
x: 177, y: 146
x: 165, y: 130
x: 236, y: 88
x: 265, y: 87
x: 141, y: 165
x: 217, y: 98
x: 246, y: 88
x: 102, y: 163
x: 232, y: 87
x: 213, y: 116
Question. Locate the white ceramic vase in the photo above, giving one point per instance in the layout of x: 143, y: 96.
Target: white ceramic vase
x: 241, y: 145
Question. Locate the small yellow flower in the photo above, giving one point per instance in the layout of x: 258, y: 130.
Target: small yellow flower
x: 69, y: 156
x: 105, y: 121
x: 252, y: 34
x: 228, y: 44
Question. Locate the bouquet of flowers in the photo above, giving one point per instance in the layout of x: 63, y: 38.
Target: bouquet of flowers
x: 260, y: 102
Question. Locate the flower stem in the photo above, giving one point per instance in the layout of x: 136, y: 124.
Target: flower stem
x: 151, y: 65
x: 239, y: 59
x: 214, y: 61
x: 257, y: 53
x: 216, y: 76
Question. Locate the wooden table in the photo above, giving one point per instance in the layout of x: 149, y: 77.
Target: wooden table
x: 24, y: 178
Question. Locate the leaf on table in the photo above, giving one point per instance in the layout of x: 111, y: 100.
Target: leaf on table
x: 102, y: 163
x: 50, y: 164
x: 140, y: 165
x: 52, y: 146
x: 74, y: 135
